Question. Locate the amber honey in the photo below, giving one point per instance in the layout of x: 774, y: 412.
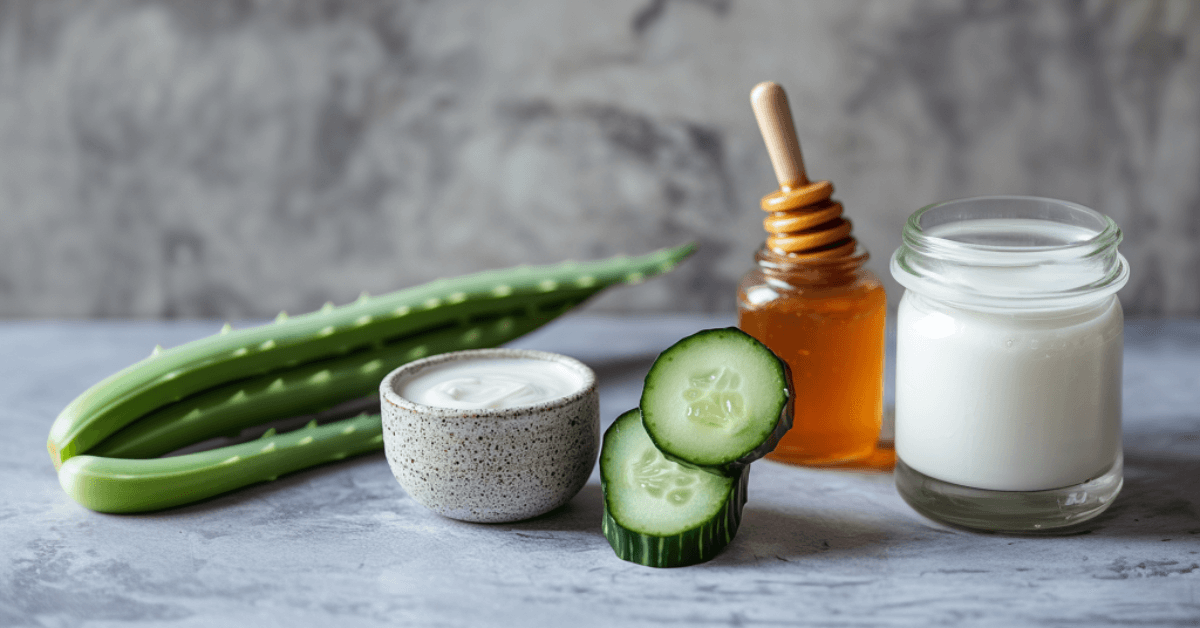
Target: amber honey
x: 812, y: 301
x: 826, y: 320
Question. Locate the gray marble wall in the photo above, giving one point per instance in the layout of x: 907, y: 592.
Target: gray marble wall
x: 230, y: 158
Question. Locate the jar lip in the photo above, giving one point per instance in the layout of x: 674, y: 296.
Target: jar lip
x: 1104, y: 231
x: 1006, y: 252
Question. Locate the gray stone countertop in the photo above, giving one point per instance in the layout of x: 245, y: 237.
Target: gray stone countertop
x: 343, y: 544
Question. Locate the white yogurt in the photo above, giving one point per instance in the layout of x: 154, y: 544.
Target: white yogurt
x: 1008, y: 362
x: 1013, y: 401
x: 491, y: 383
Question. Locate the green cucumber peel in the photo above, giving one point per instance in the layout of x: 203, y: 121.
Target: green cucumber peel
x: 119, y: 485
x: 169, y: 376
x: 644, y: 520
x: 228, y: 409
x: 695, y: 546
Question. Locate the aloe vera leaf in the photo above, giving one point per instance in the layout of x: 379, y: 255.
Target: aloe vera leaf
x: 121, y: 485
x: 174, y: 374
x: 307, y: 389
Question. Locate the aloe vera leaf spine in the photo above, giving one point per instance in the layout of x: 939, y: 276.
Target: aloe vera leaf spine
x: 176, y: 373
x: 305, y: 389
x: 120, y: 485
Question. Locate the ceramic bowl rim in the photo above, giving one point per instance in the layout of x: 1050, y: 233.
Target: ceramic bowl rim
x: 387, y: 390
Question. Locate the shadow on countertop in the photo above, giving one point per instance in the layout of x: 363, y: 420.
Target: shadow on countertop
x: 1161, y: 495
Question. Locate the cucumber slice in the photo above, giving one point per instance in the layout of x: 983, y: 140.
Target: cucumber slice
x: 717, y: 400
x: 659, y: 513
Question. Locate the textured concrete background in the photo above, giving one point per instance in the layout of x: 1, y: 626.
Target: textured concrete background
x: 230, y: 158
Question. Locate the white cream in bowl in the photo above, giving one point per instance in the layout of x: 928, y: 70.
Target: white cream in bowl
x: 491, y: 435
x: 494, y: 383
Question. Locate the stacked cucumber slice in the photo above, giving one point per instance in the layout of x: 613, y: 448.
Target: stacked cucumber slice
x: 674, y: 471
x: 661, y: 513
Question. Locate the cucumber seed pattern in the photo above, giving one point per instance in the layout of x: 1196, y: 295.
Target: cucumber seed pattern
x: 662, y: 479
x: 714, y: 398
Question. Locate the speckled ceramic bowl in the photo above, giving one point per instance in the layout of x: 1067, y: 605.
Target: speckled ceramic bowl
x: 491, y: 465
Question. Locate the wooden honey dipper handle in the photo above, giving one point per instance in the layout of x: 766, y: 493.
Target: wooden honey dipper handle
x: 774, y: 116
x: 803, y: 220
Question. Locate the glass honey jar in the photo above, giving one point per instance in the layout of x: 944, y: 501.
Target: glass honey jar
x: 825, y: 318
x: 812, y: 300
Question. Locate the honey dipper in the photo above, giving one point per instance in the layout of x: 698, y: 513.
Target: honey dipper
x: 803, y: 221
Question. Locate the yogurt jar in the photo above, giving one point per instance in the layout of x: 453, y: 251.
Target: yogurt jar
x: 1008, y: 372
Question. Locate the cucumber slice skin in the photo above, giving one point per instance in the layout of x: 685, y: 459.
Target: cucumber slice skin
x: 732, y: 464
x: 697, y: 544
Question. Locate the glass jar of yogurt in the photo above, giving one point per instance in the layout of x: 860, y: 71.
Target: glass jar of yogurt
x: 1008, y: 372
